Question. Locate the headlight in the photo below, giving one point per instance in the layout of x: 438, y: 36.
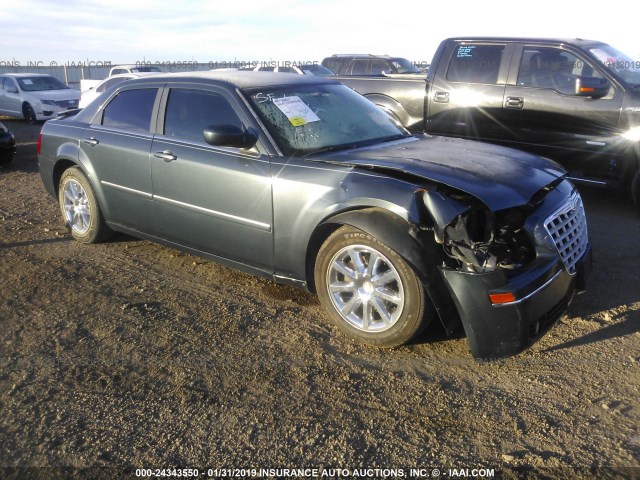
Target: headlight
x: 47, y: 102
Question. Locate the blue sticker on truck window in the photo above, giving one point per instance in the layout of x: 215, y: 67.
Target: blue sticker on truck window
x: 465, y: 51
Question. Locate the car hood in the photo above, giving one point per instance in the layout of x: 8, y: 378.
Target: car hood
x: 66, y: 94
x: 498, y: 176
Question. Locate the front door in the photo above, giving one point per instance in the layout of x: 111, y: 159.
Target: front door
x: 214, y: 199
x: 548, y: 117
x: 10, y: 101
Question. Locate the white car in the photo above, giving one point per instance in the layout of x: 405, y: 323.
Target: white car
x: 90, y: 94
x: 88, y: 83
x: 35, y: 96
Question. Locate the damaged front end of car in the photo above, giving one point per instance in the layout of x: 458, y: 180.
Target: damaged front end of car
x: 511, y: 278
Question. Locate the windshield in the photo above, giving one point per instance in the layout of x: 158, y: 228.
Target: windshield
x: 618, y: 63
x: 402, y: 65
x: 318, y: 70
x: 145, y: 69
x: 37, y: 84
x: 305, y: 119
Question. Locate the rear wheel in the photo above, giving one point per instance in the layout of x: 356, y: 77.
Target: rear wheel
x: 79, y: 208
x: 29, y: 114
x: 369, y: 291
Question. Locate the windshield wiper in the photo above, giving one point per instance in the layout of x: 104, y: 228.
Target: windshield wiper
x: 365, y: 143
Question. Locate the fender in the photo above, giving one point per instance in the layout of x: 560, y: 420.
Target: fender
x: 416, y: 246
x: 390, y: 105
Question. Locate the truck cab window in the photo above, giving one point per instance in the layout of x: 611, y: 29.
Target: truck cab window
x: 475, y: 63
x: 553, y: 68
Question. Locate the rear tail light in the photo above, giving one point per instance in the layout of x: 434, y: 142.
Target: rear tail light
x: 39, y: 143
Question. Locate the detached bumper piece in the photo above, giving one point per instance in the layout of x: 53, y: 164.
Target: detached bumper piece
x: 541, y: 297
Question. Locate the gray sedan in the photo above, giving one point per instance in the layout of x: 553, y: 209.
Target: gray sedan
x: 300, y: 179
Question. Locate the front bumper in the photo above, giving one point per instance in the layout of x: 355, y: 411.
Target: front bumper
x: 543, y: 294
x: 46, y: 112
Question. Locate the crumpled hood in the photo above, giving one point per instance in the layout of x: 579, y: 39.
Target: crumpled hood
x: 498, y: 176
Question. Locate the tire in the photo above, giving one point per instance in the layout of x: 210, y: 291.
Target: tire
x: 79, y: 208
x: 29, y: 114
x: 368, y: 290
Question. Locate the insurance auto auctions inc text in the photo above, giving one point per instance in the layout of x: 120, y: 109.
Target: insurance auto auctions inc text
x: 353, y: 473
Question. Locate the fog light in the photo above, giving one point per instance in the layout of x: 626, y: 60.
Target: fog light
x: 498, y: 298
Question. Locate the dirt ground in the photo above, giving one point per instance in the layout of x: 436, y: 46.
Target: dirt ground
x: 130, y: 355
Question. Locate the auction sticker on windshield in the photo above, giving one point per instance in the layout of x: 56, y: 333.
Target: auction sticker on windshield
x: 296, y: 110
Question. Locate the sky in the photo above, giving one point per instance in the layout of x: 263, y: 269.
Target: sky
x: 130, y: 31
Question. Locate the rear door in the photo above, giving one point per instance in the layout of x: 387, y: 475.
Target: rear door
x: 116, y: 146
x: 547, y: 117
x: 467, y: 91
x: 214, y: 199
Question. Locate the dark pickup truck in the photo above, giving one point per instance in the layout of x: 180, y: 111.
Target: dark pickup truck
x: 576, y: 101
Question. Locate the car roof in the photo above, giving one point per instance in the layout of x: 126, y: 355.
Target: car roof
x: 22, y: 75
x: 131, y: 75
x: 551, y: 40
x: 360, y: 55
x: 239, y: 79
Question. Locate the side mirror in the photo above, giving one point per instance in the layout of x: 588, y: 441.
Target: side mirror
x: 229, y: 136
x: 592, y: 87
x: 12, y: 90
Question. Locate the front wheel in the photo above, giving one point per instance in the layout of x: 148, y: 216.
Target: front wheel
x: 369, y: 291
x: 79, y: 208
x: 29, y: 114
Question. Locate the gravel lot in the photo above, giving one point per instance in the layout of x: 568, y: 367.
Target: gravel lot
x: 132, y: 355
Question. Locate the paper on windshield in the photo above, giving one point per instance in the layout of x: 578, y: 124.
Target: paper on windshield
x: 27, y: 81
x: 296, y: 110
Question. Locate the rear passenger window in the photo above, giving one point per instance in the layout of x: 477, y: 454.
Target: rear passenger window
x: 379, y: 66
x: 189, y: 112
x: 131, y: 110
x: 476, y: 64
x: 360, y: 67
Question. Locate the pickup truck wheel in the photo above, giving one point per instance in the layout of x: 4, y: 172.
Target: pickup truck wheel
x: 80, y: 210
x: 29, y: 114
x: 369, y: 291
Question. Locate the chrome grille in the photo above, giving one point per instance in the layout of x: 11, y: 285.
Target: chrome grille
x: 66, y: 103
x: 568, y: 229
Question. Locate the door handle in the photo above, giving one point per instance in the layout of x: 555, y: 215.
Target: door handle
x: 166, y: 155
x: 441, y: 97
x: 514, y: 102
x: 91, y: 141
